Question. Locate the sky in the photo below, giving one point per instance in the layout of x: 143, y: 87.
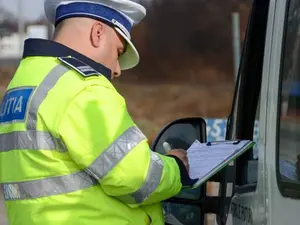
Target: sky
x: 32, y: 9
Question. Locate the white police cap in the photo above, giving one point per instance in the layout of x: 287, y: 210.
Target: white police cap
x: 121, y: 14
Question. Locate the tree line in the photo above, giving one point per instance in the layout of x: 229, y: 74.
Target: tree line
x: 180, y: 38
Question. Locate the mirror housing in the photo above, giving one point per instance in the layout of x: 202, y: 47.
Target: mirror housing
x: 180, y: 133
x: 190, y: 205
x: 186, y: 207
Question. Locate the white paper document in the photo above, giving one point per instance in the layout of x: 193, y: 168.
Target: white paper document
x: 205, y: 160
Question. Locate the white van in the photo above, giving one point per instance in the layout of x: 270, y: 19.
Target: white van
x: 263, y: 188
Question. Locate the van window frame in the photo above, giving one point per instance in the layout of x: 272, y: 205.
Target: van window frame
x: 287, y: 189
x: 242, y: 119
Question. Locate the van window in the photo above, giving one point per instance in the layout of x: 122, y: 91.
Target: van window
x: 288, y: 136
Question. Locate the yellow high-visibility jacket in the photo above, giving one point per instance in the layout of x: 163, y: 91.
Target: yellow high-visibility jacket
x: 70, y: 154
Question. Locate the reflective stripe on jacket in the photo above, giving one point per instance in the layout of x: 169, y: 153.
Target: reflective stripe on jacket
x: 71, y: 154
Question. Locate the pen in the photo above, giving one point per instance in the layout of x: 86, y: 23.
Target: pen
x: 223, y: 142
x: 166, y: 147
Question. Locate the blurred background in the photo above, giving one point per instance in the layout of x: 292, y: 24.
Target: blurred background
x: 189, y: 55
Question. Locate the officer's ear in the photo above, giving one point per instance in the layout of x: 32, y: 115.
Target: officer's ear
x: 97, y: 33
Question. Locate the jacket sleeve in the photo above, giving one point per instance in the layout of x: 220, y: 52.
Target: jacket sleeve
x: 102, y: 139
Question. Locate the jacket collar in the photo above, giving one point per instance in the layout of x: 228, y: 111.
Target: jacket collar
x: 42, y: 47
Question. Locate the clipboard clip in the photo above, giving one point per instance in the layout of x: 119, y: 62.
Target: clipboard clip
x: 210, y: 143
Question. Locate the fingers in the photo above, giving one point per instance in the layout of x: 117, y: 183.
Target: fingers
x: 182, y: 155
x: 186, y: 163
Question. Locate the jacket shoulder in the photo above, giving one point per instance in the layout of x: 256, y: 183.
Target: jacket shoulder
x: 79, y: 66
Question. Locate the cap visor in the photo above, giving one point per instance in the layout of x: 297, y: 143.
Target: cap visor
x: 131, y: 57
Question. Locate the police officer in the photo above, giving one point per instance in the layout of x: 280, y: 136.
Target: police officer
x: 70, y: 152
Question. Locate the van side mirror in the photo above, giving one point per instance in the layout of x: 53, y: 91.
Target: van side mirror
x: 180, y: 133
x: 191, y: 205
x: 186, y: 207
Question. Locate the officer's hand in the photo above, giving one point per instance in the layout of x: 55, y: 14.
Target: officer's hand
x: 182, y: 155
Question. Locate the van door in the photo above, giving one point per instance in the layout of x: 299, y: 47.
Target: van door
x: 267, y: 188
x: 248, y: 117
x: 283, y: 133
